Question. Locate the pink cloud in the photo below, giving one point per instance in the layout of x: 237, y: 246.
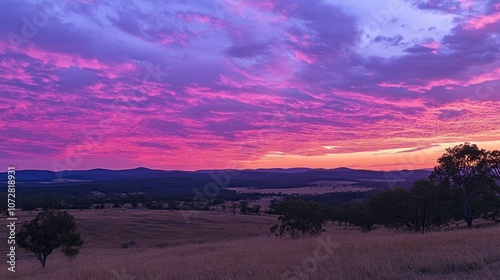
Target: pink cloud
x: 482, y: 21
x: 432, y: 45
x: 174, y: 37
x: 201, y: 18
x: 474, y: 80
x: 302, y: 40
x: 466, y: 4
x: 302, y: 56
x: 12, y: 70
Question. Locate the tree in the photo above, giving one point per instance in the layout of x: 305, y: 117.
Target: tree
x: 299, y: 218
x: 433, y: 205
x: 359, y: 215
x: 465, y: 170
x: 273, y: 205
x: 423, y: 207
x: 28, y: 205
x: 50, y: 230
x: 339, y: 213
x: 394, y: 208
x: 244, y: 209
x: 493, y: 159
x: 234, y: 206
x: 256, y: 209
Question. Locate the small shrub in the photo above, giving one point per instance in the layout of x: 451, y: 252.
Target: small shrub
x: 162, y: 245
x: 131, y: 244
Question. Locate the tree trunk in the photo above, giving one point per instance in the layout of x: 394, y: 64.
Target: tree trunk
x: 469, y: 222
x: 43, y: 260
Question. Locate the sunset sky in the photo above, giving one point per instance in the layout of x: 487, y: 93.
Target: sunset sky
x: 219, y: 84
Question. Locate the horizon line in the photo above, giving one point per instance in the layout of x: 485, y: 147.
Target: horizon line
x: 206, y: 170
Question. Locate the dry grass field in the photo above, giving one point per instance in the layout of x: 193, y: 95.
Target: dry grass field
x: 218, y: 245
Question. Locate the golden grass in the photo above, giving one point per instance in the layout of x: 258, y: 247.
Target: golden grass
x: 227, y: 254
x: 110, y: 228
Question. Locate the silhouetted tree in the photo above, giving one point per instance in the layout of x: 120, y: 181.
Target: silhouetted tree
x: 50, y: 230
x: 465, y: 170
x: 359, y: 215
x: 494, y: 162
x: 493, y: 159
x: 273, y: 205
x: 244, y: 209
x: 394, y: 209
x: 234, y: 206
x: 299, y: 218
x: 256, y: 209
x: 28, y: 205
x: 339, y: 213
x: 422, y: 208
x: 433, y: 204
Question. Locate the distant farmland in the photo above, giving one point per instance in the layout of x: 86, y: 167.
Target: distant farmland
x: 318, y: 187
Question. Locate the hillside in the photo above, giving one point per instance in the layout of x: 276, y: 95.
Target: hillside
x: 202, y: 254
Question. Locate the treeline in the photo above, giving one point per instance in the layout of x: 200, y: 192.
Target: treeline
x: 464, y: 186
x: 96, y: 200
x: 423, y: 207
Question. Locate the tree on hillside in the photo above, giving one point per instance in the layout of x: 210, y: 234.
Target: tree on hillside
x: 273, y: 205
x: 339, y: 213
x: 359, y: 215
x: 234, y: 206
x: 465, y: 170
x: 50, y: 230
x: 493, y: 159
x: 352, y: 213
x: 299, y: 218
x: 256, y: 209
x: 244, y: 209
x: 493, y: 162
x: 433, y: 206
x: 394, y: 208
x: 422, y: 208
x: 28, y: 204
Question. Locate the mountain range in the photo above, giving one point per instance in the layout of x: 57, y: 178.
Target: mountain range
x: 257, y: 178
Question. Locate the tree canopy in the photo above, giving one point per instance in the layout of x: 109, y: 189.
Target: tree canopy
x: 50, y: 230
x: 470, y: 174
x: 299, y: 218
x: 423, y: 207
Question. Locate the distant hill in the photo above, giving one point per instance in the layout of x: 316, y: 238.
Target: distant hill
x: 259, y: 178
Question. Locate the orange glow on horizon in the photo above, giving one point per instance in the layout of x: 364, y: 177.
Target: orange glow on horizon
x: 394, y: 159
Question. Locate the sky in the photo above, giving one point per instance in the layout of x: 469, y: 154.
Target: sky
x: 191, y: 85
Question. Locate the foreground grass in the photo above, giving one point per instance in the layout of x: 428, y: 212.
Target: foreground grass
x: 110, y: 228
x: 381, y: 254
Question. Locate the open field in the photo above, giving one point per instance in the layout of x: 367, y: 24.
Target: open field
x: 110, y: 228
x: 218, y: 245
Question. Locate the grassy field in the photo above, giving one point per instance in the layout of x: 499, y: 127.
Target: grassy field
x: 218, y: 245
